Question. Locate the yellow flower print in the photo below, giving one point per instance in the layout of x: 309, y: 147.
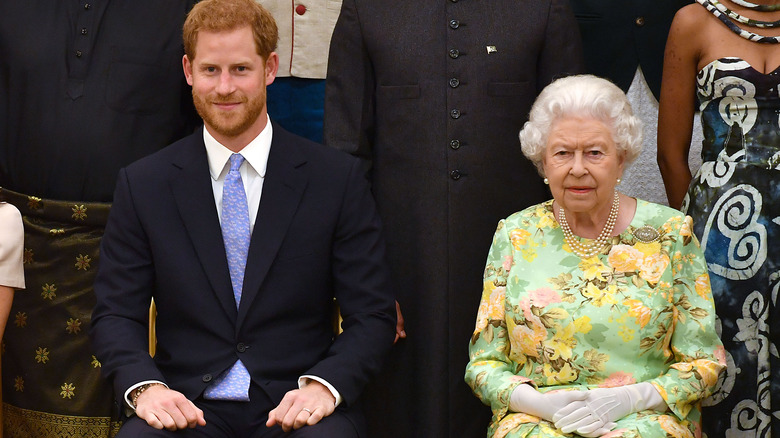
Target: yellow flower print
x: 519, y: 237
x: 528, y: 254
x: 491, y: 308
x: 582, y: 325
x: 639, y: 311
x: 525, y: 341
x: 625, y: 258
x: 685, y: 229
x: 593, y: 269
x: 600, y: 297
x: 546, y: 221
x: 648, y: 249
x: 561, y: 344
x: 511, y: 422
x: 673, y: 428
x: 562, y: 377
x: 703, y: 286
x: 653, y: 266
x: 626, y: 333
x: 708, y: 370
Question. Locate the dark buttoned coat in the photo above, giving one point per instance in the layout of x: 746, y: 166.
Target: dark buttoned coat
x: 619, y: 35
x: 431, y: 95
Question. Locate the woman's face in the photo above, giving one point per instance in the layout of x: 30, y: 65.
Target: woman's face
x: 582, y: 163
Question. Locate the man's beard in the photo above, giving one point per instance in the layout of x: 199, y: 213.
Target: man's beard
x: 229, y: 124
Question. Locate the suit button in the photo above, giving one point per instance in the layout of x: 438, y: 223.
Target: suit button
x: 78, y: 53
x: 455, y: 144
x: 454, y: 53
x: 455, y: 174
x: 300, y: 9
x: 454, y: 24
x: 454, y: 82
x: 640, y: 21
x: 241, y: 347
x: 455, y: 114
x: 207, y: 378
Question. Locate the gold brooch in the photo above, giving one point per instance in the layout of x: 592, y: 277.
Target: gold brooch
x: 646, y: 234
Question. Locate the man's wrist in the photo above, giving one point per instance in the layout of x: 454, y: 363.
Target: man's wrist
x: 138, y: 391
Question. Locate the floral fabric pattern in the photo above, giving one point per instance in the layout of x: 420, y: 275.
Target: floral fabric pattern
x: 641, y: 311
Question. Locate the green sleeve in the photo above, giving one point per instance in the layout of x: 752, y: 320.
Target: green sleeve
x: 693, y: 348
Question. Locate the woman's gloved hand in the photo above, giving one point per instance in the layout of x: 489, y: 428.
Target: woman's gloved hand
x: 603, y: 407
x: 526, y: 399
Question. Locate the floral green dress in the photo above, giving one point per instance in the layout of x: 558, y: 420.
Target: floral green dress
x: 641, y: 311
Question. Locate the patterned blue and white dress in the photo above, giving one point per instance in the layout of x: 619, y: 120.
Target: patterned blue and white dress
x: 734, y: 200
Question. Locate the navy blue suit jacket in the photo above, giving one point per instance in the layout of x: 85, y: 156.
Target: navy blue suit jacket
x: 317, y: 236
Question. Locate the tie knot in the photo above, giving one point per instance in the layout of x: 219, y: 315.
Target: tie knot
x: 235, y: 162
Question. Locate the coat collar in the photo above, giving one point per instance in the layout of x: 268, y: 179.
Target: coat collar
x: 284, y: 184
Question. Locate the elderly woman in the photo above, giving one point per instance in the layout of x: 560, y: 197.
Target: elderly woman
x: 596, y: 316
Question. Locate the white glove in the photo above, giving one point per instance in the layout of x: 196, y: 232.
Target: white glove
x: 525, y: 398
x: 597, y: 414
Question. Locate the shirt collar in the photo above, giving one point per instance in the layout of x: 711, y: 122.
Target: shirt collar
x: 255, y: 153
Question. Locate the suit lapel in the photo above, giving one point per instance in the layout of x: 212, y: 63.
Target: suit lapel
x: 194, y: 197
x: 284, y: 184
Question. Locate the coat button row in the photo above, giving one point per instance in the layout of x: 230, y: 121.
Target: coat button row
x: 640, y: 21
x: 454, y: 82
x: 455, y: 175
x: 455, y: 114
x: 454, y: 24
x: 454, y: 53
x: 300, y: 9
x: 207, y: 378
x: 241, y: 347
x: 455, y: 144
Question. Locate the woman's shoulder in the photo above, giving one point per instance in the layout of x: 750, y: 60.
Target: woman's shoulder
x: 657, y: 214
x: 532, y: 213
x: 9, y: 214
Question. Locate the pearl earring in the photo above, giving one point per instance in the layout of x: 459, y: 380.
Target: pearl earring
x: 547, y: 181
x: 618, y: 180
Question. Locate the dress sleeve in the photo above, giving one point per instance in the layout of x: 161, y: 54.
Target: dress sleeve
x: 692, y: 345
x: 11, y: 247
x: 490, y: 373
x: 349, y: 98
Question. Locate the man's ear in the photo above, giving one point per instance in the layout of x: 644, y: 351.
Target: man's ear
x: 187, y: 66
x: 271, y: 67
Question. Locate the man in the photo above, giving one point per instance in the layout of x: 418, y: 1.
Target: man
x: 431, y: 95
x: 243, y: 234
x: 88, y: 86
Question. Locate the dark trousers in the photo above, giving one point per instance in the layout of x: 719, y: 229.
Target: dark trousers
x: 228, y: 419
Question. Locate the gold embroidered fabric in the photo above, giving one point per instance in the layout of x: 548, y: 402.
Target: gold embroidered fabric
x: 23, y: 423
x: 52, y: 385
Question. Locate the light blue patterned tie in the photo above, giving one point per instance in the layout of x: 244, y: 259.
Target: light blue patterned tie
x: 234, y: 384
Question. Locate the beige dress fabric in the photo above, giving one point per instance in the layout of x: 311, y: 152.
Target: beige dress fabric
x: 11, y: 247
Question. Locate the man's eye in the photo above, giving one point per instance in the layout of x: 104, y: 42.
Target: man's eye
x: 241, y: 68
x: 211, y: 69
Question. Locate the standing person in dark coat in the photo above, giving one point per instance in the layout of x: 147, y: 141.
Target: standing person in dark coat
x: 86, y: 87
x: 430, y: 95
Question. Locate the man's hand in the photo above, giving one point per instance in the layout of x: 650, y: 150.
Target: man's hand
x: 165, y: 408
x: 301, y: 407
x: 400, y: 333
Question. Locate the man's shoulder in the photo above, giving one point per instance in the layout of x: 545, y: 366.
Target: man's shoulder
x: 315, y: 154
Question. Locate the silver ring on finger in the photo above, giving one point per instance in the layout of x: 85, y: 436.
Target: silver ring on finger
x: 307, y: 410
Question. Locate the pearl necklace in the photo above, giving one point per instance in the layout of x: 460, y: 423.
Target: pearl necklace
x: 595, y: 247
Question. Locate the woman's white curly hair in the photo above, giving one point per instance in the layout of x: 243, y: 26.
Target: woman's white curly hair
x: 584, y: 96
